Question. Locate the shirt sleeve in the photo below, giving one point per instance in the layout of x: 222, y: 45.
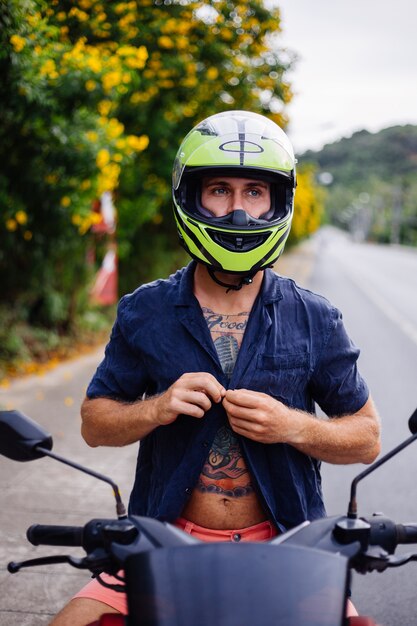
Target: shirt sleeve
x: 121, y: 375
x: 336, y: 384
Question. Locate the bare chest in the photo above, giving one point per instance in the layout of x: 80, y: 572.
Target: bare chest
x: 224, y: 496
x: 227, y: 332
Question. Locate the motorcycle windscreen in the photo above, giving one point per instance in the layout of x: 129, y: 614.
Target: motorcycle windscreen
x: 236, y: 585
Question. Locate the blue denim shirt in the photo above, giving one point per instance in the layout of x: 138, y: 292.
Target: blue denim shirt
x: 295, y: 348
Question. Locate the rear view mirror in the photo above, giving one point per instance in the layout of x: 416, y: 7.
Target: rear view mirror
x: 20, y: 436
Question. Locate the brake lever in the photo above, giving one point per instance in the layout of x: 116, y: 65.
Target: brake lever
x: 402, y: 560
x: 377, y: 559
x: 13, y: 567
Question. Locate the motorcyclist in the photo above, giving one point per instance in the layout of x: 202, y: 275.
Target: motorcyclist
x: 216, y: 370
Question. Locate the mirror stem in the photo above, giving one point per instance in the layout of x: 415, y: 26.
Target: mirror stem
x: 353, y: 509
x: 120, y: 507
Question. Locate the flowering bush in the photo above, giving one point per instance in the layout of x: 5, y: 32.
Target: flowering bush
x: 97, y: 97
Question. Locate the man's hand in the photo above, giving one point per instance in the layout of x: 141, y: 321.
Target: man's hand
x: 351, y: 438
x: 192, y: 394
x: 259, y: 417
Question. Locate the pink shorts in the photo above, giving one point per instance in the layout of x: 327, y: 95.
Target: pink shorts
x: 259, y: 532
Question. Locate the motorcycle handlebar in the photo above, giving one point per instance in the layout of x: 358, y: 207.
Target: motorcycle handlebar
x: 407, y: 533
x: 48, y: 535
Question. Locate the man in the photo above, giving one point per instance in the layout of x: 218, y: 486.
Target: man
x: 216, y: 369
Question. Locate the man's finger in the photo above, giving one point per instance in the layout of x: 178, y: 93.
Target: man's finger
x: 244, y: 398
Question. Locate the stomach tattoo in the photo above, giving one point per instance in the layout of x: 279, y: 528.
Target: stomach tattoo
x: 224, y: 471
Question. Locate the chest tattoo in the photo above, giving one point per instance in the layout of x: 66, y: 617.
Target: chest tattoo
x: 227, y: 333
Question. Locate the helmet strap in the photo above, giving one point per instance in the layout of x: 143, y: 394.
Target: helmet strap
x: 246, y: 280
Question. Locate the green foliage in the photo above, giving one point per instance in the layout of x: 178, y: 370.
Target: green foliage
x: 96, y: 96
x: 374, y: 188
x: 308, y: 205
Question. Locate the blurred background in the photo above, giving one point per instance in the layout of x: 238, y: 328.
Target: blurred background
x: 95, y: 98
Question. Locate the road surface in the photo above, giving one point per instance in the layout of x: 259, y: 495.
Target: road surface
x: 376, y: 289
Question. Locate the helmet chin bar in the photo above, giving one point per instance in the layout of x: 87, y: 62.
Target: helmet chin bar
x: 245, y: 280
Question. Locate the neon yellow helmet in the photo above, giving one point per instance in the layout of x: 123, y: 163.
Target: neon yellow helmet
x: 237, y: 144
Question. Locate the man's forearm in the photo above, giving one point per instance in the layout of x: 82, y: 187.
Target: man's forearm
x: 107, y: 422
x: 344, y: 440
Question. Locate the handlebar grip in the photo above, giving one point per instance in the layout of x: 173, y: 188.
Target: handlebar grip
x: 407, y: 533
x: 39, y: 534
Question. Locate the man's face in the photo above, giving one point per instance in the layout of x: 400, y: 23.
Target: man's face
x: 223, y: 194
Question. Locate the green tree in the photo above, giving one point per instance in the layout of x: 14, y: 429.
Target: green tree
x: 96, y: 97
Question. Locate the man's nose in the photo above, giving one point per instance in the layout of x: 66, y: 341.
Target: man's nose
x: 237, y: 202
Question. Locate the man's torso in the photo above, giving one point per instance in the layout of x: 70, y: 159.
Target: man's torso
x: 224, y: 496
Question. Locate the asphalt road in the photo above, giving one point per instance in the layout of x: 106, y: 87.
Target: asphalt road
x: 46, y: 492
x: 375, y: 287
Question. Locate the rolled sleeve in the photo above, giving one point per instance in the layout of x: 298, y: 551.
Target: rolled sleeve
x: 121, y: 375
x: 336, y: 384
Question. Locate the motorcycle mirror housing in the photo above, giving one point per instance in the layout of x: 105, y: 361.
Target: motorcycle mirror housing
x: 412, y: 423
x: 21, y: 438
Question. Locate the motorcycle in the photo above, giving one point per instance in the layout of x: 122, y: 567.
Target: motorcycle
x: 301, y: 577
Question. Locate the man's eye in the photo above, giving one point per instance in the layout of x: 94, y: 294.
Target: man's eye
x: 254, y: 193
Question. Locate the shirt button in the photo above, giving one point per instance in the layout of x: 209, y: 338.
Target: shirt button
x: 205, y: 444
x: 187, y: 490
x: 237, y: 537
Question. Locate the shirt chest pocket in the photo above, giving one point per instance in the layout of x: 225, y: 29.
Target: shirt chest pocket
x: 283, y: 376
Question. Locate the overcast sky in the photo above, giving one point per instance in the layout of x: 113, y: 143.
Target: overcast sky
x: 357, y: 67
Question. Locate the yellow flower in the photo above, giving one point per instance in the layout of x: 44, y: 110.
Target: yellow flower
x: 27, y: 235
x: 11, y: 225
x: 212, y: 73
x: 138, y: 143
x: 49, y: 69
x: 76, y: 219
x: 104, y: 107
x: 86, y: 184
x: 65, y: 201
x: 90, y: 85
x: 103, y: 158
x: 17, y: 42
x: 95, y: 218
x: 126, y: 51
x: 111, y: 79
x: 94, y: 64
x: 182, y: 43
x: 114, y: 128
x: 51, y: 178
x: 82, y: 16
x: 165, y: 42
x: 91, y: 136
x: 21, y: 217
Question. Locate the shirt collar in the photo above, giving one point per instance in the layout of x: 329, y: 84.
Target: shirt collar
x: 185, y: 293
x: 270, y: 289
